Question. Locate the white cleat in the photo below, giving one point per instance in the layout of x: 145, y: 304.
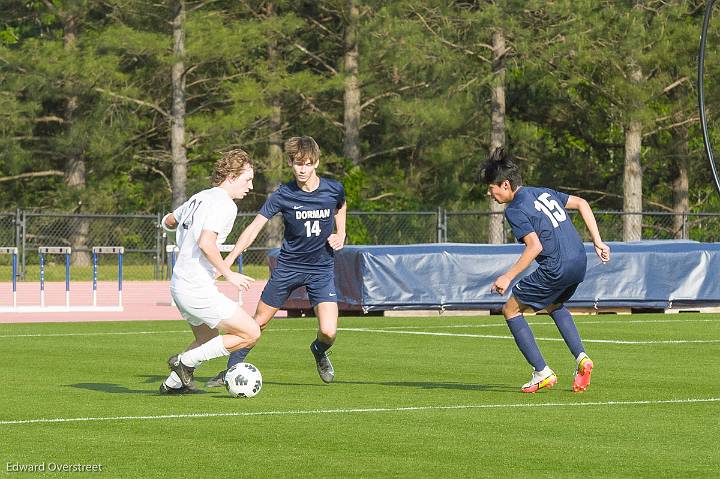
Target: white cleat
x: 540, y: 380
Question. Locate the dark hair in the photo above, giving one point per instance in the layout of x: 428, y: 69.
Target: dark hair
x: 500, y: 167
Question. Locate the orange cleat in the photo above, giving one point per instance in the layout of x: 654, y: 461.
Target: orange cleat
x: 582, y: 375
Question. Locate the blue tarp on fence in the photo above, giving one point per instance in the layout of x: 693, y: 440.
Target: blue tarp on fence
x: 651, y: 274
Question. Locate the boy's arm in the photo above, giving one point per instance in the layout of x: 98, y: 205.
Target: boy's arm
x: 337, y: 239
x: 533, y: 247
x: 577, y: 203
x: 207, y: 242
x: 246, y: 239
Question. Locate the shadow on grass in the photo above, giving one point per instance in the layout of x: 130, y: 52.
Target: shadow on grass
x: 154, y: 378
x: 413, y: 384
x: 220, y: 392
x: 149, y: 379
x: 112, y: 388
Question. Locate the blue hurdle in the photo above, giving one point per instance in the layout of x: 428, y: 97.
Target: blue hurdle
x: 14, y: 253
x: 42, y: 251
x: 118, y: 250
x: 66, y: 251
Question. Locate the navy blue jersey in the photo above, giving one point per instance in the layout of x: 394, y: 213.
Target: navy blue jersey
x: 542, y: 210
x: 309, y: 219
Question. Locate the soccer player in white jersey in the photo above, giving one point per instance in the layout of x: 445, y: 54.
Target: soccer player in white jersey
x: 314, y: 214
x: 202, y: 223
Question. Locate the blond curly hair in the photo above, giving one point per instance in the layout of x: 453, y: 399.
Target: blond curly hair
x: 232, y: 163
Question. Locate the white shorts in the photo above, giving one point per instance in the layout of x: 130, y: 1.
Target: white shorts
x: 205, y: 306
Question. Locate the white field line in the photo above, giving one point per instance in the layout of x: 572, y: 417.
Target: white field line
x: 300, y: 412
x: 493, y: 336
x: 124, y: 333
x: 109, y: 333
x: 499, y: 324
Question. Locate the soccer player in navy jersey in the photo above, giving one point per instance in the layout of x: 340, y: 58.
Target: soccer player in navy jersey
x: 539, y: 219
x: 314, y: 213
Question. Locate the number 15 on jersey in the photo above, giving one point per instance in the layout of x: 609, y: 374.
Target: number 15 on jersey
x: 551, y: 208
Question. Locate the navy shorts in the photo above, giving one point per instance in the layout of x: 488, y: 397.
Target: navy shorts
x: 320, y: 287
x: 539, y: 291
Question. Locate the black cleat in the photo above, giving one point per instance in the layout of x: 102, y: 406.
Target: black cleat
x: 185, y: 373
x: 218, y: 381
x: 165, y: 389
x: 324, y: 366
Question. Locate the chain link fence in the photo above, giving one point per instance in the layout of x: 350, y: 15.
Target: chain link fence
x: 145, y: 241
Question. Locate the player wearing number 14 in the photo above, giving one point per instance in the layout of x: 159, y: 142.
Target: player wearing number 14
x: 538, y: 219
x: 314, y: 212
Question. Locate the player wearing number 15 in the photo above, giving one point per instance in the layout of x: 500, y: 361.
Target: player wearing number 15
x: 538, y: 218
x: 312, y: 208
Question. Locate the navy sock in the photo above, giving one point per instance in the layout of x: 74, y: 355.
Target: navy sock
x: 525, y: 340
x: 318, y: 347
x: 237, y: 357
x: 564, y: 322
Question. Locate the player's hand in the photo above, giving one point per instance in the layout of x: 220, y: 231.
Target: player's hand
x: 169, y: 223
x: 240, y: 281
x: 218, y: 273
x: 500, y: 285
x: 603, y: 251
x: 336, y: 241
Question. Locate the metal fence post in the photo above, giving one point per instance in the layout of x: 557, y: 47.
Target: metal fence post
x: 438, y: 226
x: 445, y: 225
x: 158, y: 245
x: 441, y: 225
x: 23, y: 226
x: 18, y: 235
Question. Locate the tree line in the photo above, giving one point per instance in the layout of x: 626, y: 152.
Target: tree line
x: 123, y: 106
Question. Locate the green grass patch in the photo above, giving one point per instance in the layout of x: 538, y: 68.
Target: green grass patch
x: 109, y: 271
x: 402, y: 405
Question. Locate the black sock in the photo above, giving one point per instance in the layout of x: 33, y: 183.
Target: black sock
x: 318, y: 347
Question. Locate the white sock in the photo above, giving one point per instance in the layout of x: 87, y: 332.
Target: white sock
x: 205, y: 352
x: 173, y: 381
x: 580, y: 357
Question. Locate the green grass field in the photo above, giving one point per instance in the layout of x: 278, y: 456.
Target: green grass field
x: 413, y: 397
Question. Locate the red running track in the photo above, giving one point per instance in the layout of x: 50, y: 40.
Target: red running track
x: 142, y: 300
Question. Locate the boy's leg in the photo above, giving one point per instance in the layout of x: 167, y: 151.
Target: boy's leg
x: 327, y: 314
x: 172, y: 384
x: 542, y: 376
x: 241, y: 331
x: 263, y: 314
x: 564, y: 322
x: 276, y: 292
x: 323, y: 296
x: 522, y: 333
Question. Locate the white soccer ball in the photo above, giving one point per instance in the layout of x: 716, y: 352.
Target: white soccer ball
x: 243, y: 380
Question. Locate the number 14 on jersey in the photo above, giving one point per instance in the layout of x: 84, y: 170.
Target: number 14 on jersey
x: 312, y: 228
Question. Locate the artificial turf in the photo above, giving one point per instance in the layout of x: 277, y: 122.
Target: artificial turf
x: 413, y: 397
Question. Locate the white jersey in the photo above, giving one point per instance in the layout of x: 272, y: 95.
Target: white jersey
x: 210, y: 209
